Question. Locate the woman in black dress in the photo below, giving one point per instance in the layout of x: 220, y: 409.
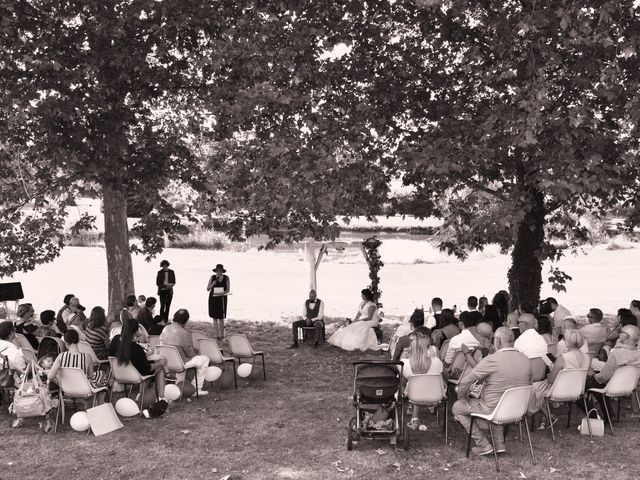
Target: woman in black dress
x: 218, y: 288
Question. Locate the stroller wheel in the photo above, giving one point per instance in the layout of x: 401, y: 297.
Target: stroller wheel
x: 349, y: 443
x: 351, y: 433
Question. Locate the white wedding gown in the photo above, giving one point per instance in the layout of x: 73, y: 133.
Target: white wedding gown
x: 359, y: 335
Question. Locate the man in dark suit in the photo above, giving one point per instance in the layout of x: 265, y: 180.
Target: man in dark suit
x: 165, y: 280
x: 472, y: 309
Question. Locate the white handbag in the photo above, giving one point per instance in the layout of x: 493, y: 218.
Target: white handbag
x: 597, y: 425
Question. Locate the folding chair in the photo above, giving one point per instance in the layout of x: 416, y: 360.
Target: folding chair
x: 176, y: 365
x: 426, y: 389
x: 241, y: 348
x: 512, y: 408
x: 567, y: 388
x: 128, y: 375
x: 195, y: 336
x: 621, y: 385
x: 74, y: 384
x: 209, y: 347
x: 154, y: 341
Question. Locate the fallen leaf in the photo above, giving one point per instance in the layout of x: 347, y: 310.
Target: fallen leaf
x: 185, y: 432
x: 397, y: 465
x: 553, y: 470
x: 226, y: 477
x: 522, y: 475
x: 381, y: 452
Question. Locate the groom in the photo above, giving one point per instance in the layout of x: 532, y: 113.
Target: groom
x: 312, y: 315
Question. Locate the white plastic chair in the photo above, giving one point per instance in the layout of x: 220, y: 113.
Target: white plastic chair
x: 87, y: 349
x: 426, y: 389
x: 622, y: 384
x: 567, y: 388
x: 511, y: 408
x: 241, y: 348
x: 128, y: 375
x: 175, y: 364
x: 209, y: 347
x: 74, y: 384
x: 195, y: 337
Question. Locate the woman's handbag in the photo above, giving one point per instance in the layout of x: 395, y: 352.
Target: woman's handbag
x: 32, y: 399
x: 597, y: 424
x: 6, y: 375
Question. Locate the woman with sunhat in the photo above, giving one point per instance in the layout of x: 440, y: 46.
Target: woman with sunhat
x: 218, y: 289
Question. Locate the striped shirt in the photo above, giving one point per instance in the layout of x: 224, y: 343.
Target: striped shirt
x: 98, y: 338
x: 74, y: 360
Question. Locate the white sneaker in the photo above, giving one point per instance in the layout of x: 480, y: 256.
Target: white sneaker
x: 202, y: 392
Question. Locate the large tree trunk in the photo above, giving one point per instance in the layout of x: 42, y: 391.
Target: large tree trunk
x: 525, y: 274
x: 116, y: 241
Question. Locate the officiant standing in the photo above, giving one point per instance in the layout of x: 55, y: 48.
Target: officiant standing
x: 218, y: 289
x: 165, y: 281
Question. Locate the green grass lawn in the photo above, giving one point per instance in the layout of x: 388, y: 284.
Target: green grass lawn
x: 294, y: 426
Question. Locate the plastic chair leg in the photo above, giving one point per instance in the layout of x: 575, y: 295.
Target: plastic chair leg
x: 195, y: 371
x: 553, y: 433
x: 264, y: 372
x: 618, y: 414
x: 586, y: 409
x: 606, y: 409
x: 493, y: 445
x: 469, y: 437
x: 568, y: 416
x: 533, y: 458
x: 142, y: 388
x: 446, y: 422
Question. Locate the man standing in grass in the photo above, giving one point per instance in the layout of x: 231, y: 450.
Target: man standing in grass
x: 312, y: 315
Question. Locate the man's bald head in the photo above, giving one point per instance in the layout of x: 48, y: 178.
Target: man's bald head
x: 527, y: 321
x: 503, y: 338
x: 633, y: 334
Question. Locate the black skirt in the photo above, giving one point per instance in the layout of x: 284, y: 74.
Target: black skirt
x: 217, y: 306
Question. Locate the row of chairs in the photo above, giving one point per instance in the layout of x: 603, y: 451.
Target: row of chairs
x: 568, y: 387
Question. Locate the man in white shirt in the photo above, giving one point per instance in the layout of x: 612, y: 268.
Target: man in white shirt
x: 569, y: 323
x: 312, y: 315
x: 559, y: 314
x: 9, y: 349
x: 468, y: 337
x: 530, y: 342
x: 594, y: 332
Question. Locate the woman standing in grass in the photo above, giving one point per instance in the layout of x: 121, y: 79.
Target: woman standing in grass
x: 218, y: 288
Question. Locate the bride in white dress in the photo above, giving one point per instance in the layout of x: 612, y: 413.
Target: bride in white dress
x: 359, y: 335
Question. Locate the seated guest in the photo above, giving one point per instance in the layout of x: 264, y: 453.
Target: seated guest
x: 501, y: 301
x: 512, y: 319
x: 415, y: 321
x: 568, y: 324
x: 433, y: 321
x: 558, y: 315
x: 623, y: 318
x: 625, y: 353
x: 492, y: 317
x: 129, y: 350
x: 594, y: 332
x: 545, y: 329
x: 10, y: 350
x: 132, y: 306
x: 530, y: 342
x: 97, y: 333
x: 482, y: 304
x: 177, y: 335
x: 61, y: 326
x: 152, y: 323
x: 420, y: 361
x: 572, y: 358
x: 472, y: 309
x: 634, y: 307
x: 504, y: 369
x: 47, y: 319
x: 312, y: 315
x: 448, y: 328
x: 142, y: 301
x: 25, y: 324
x: 470, y: 337
x: 73, y: 358
x: 74, y: 315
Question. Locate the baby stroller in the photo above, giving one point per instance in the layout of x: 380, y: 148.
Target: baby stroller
x: 377, y: 387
